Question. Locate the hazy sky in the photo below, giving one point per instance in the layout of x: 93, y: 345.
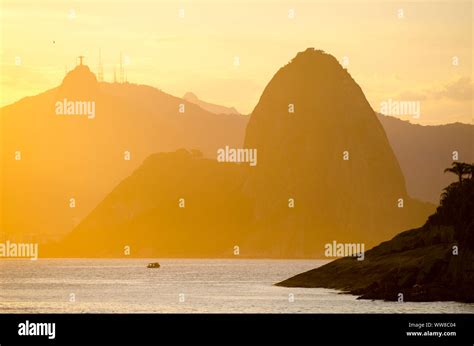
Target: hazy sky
x: 406, y: 59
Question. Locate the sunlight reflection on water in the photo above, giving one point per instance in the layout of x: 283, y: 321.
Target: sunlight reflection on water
x: 204, y: 285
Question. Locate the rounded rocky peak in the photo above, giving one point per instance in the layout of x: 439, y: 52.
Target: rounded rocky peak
x: 312, y: 53
x: 189, y: 96
x: 79, y: 80
x: 316, y: 61
x: 313, y: 80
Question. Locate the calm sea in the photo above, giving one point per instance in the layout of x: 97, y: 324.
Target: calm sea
x: 180, y: 285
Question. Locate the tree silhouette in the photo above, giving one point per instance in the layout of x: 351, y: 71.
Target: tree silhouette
x: 460, y: 169
x: 469, y: 168
x: 456, y: 205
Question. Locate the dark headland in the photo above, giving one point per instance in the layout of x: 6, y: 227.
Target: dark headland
x: 432, y: 263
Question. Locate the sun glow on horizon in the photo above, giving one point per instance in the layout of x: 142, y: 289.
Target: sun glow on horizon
x: 226, y: 52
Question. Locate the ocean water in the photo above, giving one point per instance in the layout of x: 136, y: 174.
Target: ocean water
x: 179, y: 286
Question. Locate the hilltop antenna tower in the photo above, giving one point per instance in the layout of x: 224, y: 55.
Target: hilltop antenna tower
x: 121, y: 70
x: 100, y: 72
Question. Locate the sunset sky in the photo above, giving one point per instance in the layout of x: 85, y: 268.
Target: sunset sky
x: 408, y: 58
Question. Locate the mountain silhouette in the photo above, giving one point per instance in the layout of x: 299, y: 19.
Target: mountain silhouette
x: 176, y: 204
x: 421, y: 150
x: 300, y: 157
x: 79, y: 82
x: 424, y: 151
x: 210, y: 107
x: 309, y: 118
x: 66, y: 156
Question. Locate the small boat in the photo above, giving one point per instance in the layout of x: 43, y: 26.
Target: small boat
x: 153, y: 265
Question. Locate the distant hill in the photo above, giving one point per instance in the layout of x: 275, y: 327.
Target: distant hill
x: 300, y: 157
x: 210, y: 107
x: 84, y: 157
x: 431, y: 263
x: 424, y: 151
x: 145, y: 212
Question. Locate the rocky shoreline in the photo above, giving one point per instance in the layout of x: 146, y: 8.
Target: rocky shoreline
x: 431, y: 263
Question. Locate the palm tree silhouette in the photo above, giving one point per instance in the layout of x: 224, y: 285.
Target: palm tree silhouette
x: 460, y: 169
x: 469, y: 169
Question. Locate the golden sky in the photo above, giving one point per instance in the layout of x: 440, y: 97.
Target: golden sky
x: 407, y: 59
